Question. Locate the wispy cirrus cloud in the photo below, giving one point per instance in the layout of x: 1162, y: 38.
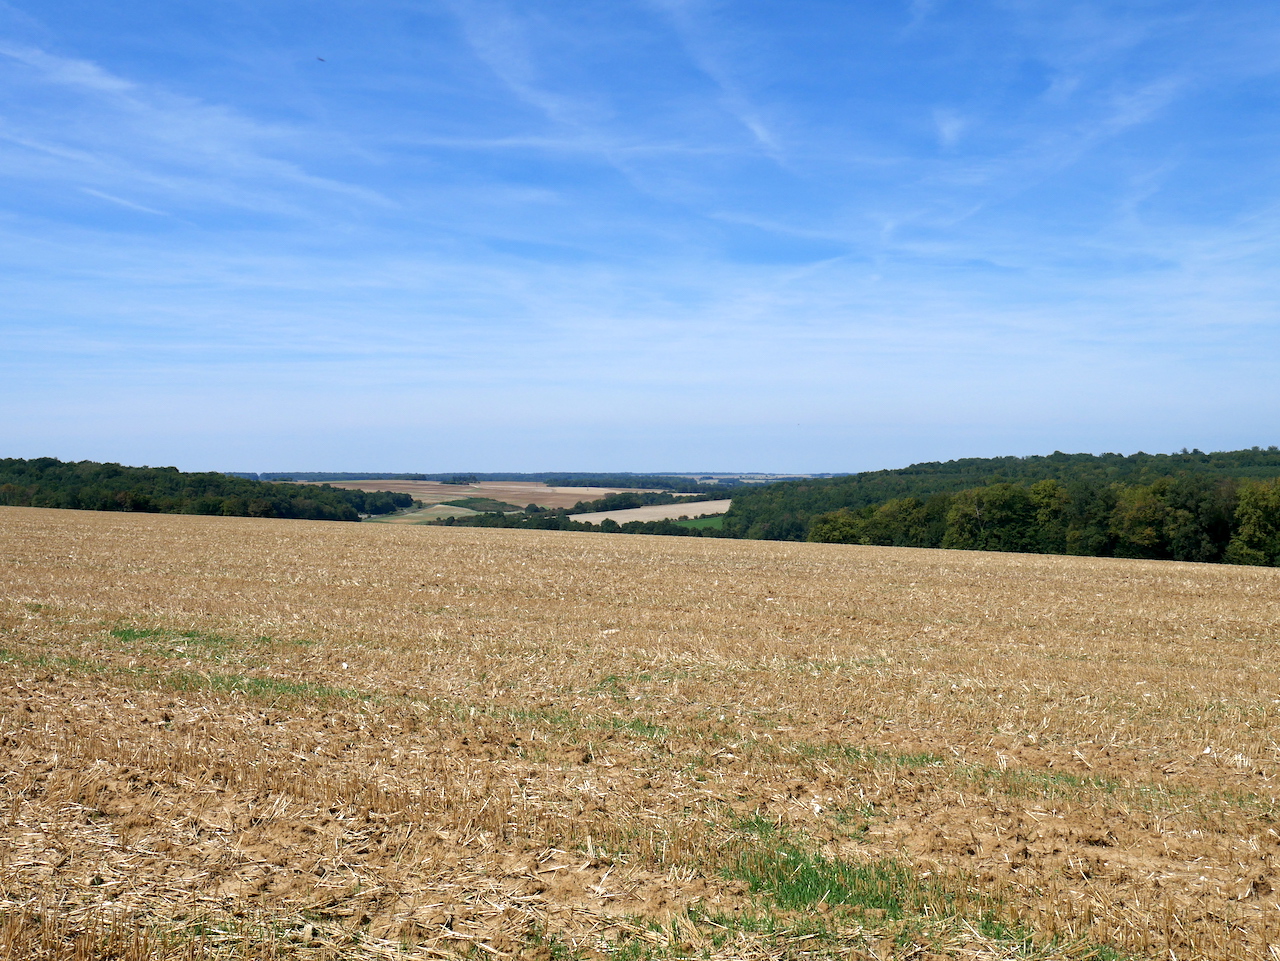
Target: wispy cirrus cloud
x: 706, y: 54
x: 950, y: 126
x: 103, y: 195
x: 118, y: 136
x: 500, y: 39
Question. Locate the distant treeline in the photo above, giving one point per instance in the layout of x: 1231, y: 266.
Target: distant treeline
x: 559, y: 520
x: 86, y: 485
x: 551, y: 479
x: 679, y: 485
x: 1187, y: 518
x: 786, y: 510
x: 314, y: 476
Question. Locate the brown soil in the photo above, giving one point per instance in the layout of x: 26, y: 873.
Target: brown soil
x: 362, y: 739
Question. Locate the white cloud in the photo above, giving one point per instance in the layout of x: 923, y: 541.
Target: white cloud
x: 102, y: 195
x: 920, y: 11
x: 67, y: 72
x: 115, y: 136
x: 708, y: 55
x: 500, y: 39
x: 950, y: 127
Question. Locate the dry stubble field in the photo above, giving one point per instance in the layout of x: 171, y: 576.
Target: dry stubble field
x: 658, y: 512
x: 226, y: 737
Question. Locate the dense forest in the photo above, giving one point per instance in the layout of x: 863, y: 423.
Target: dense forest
x: 1185, y: 518
x: 86, y: 485
x: 1189, y: 506
x: 784, y: 511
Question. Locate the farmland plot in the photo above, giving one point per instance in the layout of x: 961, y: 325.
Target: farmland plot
x: 254, y: 738
x: 658, y: 512
x: 520, y: 493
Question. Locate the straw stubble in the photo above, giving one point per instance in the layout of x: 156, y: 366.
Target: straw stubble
x: 263, y: 737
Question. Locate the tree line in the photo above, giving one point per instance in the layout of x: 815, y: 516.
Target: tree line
x: 679, y: 485
x: 550, y: 478
x: 1185, y: 518
x: 559, y: 520
x: 88, y: 485
x: 786, y: 510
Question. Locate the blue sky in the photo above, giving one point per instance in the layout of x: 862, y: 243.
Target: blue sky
x: 636, y: 234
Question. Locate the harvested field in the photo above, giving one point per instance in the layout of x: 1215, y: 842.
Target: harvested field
x: 231, y: 737
x: 520, y: 493
x: 423, y: 516
x: 657, y: 512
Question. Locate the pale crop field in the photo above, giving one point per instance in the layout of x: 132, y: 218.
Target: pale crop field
x: 241, y: 738
x: 657, y: 512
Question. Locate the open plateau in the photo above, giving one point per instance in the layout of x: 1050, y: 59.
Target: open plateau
x: 228, y: 737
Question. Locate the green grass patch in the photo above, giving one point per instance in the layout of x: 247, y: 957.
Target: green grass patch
x: 1050, y: 785
x: 187, y: 645
x: 78, y: 664
x: 792, y: 876
x: 642, y: 728
x: 804, y: 894
x: 858, y: 754
x: 251, y: 686
x: 248, y: 685
x: 131, y: 635
x: 547, y: 717
x: 795, y: 879
x: 612, y: 685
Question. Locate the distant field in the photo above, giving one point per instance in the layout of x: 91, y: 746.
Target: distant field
x: 464, y: 507
x: 434, y: 513
x: 520, y: 493
x: 226, y: 737
x: 657, y: 512
x: 483, y: 505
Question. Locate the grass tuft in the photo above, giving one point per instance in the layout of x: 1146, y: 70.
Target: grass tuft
x: 793, y: 879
